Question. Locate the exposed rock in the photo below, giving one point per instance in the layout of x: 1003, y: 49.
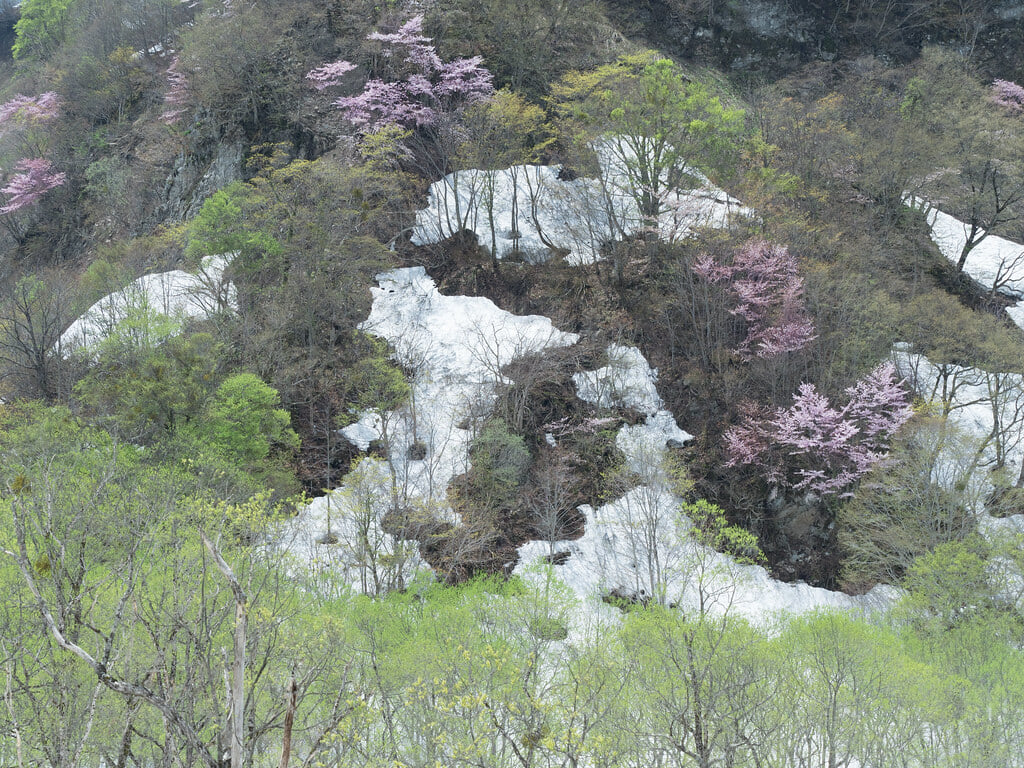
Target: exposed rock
x: 197, y: 175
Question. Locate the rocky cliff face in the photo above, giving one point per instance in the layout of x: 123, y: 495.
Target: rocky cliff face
x: 198, y: 174
x: 772, y: 37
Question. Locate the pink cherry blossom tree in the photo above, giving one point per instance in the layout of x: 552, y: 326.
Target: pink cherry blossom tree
x: 329, y: 75
x: 176, y: 98
x: 23, y: 121
x: 1009, y: 95
x: 768, y: 294
x: 421, y: 88
x: 30, y: 110
x: 817, y: 448
x: 34, y: 178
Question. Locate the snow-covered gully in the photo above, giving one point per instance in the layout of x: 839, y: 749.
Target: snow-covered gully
x: 456, y: 347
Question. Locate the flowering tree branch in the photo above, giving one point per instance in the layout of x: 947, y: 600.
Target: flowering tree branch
x: 1009, y: 95
x: 35, y: 178
x: 423, y: 89
x: 764, y: 281
x: 176, y: 98
x: 30, y: 110
x: 815, y: 447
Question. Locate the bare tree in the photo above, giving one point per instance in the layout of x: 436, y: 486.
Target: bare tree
x: 552, y: 499
x: 31, y: 323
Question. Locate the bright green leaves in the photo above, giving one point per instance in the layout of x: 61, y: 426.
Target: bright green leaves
x: 42, y: 28
x: 952, y: 583
x: 244, y: 419
x: 221, y: 227
x: 657, y: 123
x: 374, y: 381
x: 711, y: 529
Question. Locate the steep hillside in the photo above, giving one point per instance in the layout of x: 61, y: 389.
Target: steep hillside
x: 520, y: 383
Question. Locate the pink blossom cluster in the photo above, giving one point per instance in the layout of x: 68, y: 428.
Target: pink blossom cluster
x: 176, y: 98
x: 329, y: 74
x: 35, y: 178
x: 1008, y: 94
x: 429, y: 88
x: 30, y: 109
x: 815, y: 447
x: 768, y: 291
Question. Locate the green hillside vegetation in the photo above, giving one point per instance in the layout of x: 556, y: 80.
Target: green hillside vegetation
x: 151, y: 615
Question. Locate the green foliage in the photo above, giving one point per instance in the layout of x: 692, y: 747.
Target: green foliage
x: 658, y: 124
x: 500, y: 462
x: 946, y: 332
x: 220, y: 227
x: 147, y: 380
x: 503, y: 131
x: 901, y: 510
x: 374, y: 381
x: 244, y: 419
x: 951, y: 584
x: 95, y: 523
x: 712, y: 529
x: 310, y: 247
x: 493, y: 673
x: 42, y: 28
x: 106, y: 179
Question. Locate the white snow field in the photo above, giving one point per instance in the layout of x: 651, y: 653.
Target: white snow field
x: 995, y: 261
x: 455, y: 346
x: 177, y: 294
x: 987, y: 407
x: 529, y: 209
x: 637, y: 544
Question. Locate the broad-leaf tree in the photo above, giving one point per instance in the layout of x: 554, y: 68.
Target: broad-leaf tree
x: 659, y: 127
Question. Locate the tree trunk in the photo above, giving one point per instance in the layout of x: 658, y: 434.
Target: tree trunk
x: 289, y: 721
x: 238, y: 662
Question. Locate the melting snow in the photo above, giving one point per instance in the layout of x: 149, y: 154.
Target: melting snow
x: 527, y: 208
x: 627, y: 381
x: 456, y: 347
x: 638, y: 546
x: 994, y: 261
x: 177, y: 294
x: 974, y: 399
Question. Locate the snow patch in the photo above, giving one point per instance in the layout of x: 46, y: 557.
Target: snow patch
x: 974, y: 399
x: 529, y: 210
x: 995, y: 261
x: 628, y: 381
x: 177, y: 294
x: 456, y: 347
x: 638, y: 546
